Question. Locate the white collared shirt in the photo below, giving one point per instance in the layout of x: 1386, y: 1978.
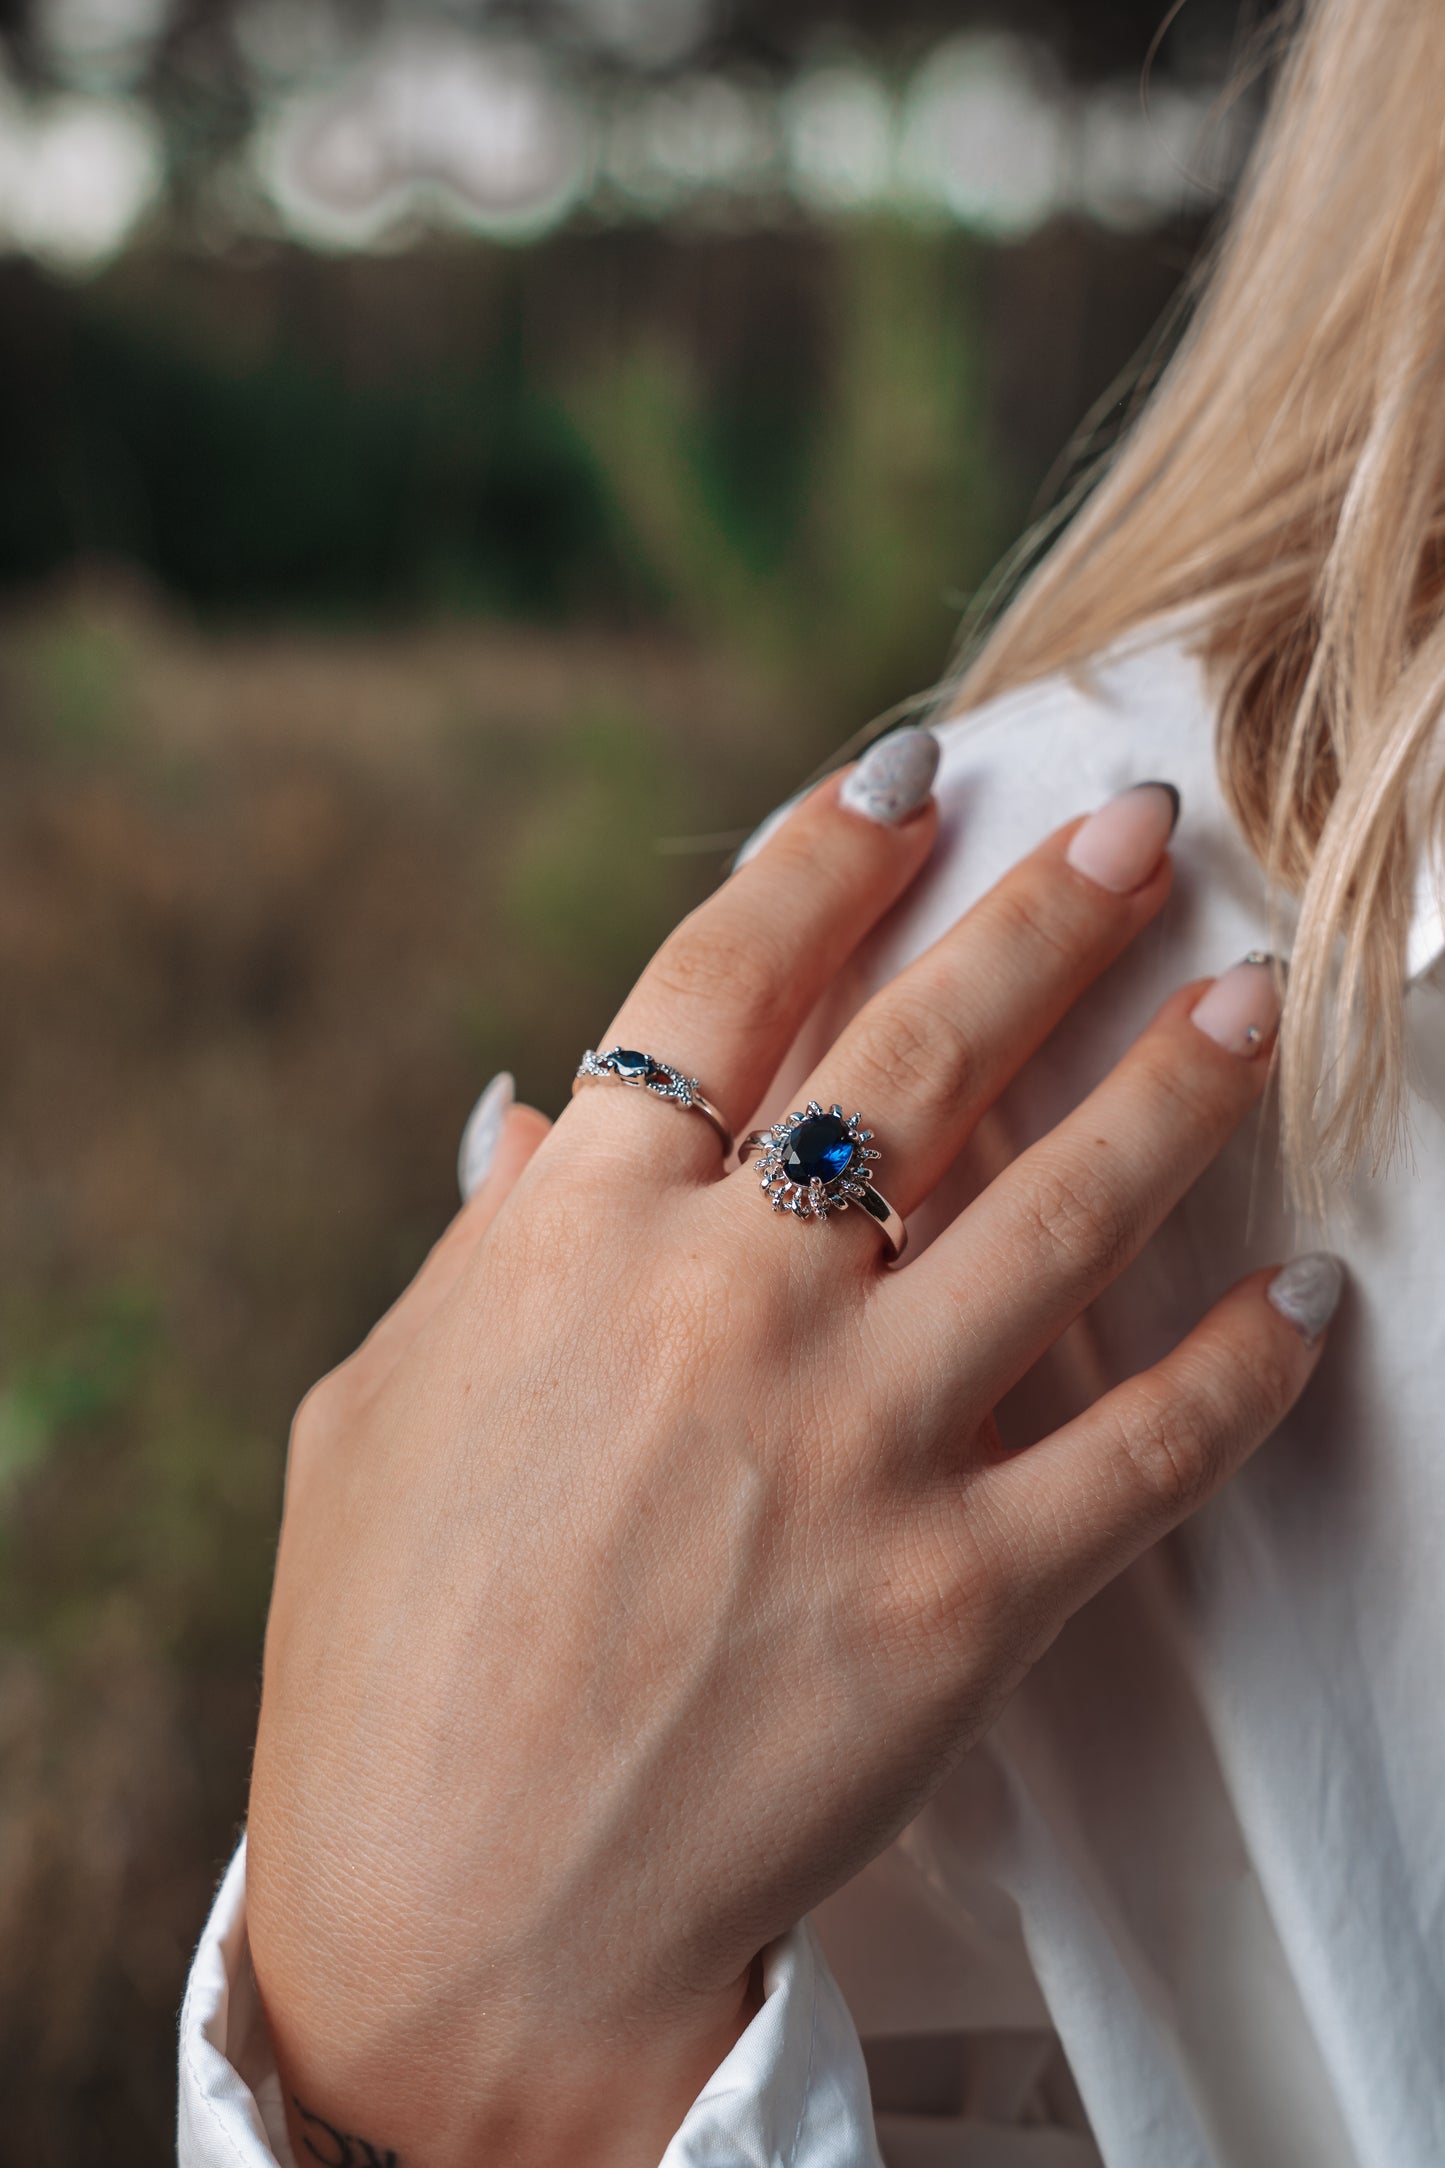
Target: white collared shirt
x: 1197, y: 1870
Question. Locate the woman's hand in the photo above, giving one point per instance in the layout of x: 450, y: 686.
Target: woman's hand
x: 653, y: 1560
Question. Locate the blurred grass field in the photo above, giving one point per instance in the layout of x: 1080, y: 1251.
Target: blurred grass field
x: 371, y: 636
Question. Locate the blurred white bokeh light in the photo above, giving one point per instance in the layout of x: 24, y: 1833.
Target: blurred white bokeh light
x: 442, y: 129
x: 983, y: 138
x: 839, y: 126
x: 367, y: 139
x: 702, y: 138
x: 99, y: 39
x: 648, y: 33
x: 76, y: 174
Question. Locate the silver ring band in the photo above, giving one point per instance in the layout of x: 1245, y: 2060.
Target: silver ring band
x: 624, y: 1065
x: 814, y: 1162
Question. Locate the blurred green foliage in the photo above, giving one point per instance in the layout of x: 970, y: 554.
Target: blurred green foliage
x: 132, y: 1483
x: 829, y: 528
x: 581, y: 872
x: 76, y: 1371
x: 820, y: 498
x: 75, y: 696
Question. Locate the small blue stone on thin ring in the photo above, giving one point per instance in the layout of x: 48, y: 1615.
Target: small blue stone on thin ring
x: 626, y: 1065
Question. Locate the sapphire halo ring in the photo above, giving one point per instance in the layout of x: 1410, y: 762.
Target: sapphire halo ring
x: 624, y: 1065
x: 815, y: 1161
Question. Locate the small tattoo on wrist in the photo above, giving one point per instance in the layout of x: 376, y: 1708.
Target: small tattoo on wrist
x: 340, y: 2148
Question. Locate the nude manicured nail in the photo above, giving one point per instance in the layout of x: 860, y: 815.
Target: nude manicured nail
x: 1307, y: 1292
x: 483, y: 1134
x: 1241, y: 1008
x: 1119, y: 846
x: 894, y: 777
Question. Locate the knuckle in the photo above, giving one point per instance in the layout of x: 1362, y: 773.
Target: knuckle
x: 1078, y: 1213
x: 702, y: 965
x: 1038, y: 915
x: 1187, y: 1097
x: 320, y: 1403
x: 914, y: 1047
x: 1252, y: 1387
x: 958, y: 1598
x: 978, y: 1591
x: 925, y: 1590
x: 1175, y: 1449
x: 807, y: 861
x: 321, y: 1411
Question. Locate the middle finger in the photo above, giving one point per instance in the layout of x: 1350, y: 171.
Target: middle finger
x: 930, y: 1053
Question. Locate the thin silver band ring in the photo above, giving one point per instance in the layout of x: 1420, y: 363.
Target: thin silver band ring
x: 625, y: 1065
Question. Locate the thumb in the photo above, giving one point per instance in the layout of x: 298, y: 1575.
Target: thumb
x: 480, y: 1150
x: 497, y: 1142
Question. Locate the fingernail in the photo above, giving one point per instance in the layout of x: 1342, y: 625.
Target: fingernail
x: 482, y: 1135
x: 894, y: 777
x: 1307, y: 1292
x: 1241, y: 1008
x: 1121, y: 844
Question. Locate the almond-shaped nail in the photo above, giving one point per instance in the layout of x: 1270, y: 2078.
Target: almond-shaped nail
x: 894, y: 777
x: 1307, y: 1292
x: 1240, y: 1010
x: 1119, y: 846
x: 483, y: 1134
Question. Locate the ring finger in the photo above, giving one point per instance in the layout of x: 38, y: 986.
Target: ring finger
x: 930, y: 1053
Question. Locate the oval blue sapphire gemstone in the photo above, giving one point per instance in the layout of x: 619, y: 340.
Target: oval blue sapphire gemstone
x: 819, y: 1149
x: 633, y: 1068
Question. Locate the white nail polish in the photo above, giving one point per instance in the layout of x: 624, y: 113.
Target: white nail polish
x: 894, y: 777
x: 1307, y: 1292
x: 482, y: 1135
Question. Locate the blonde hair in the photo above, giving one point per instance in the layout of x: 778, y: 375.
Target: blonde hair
x: 1288, y: 472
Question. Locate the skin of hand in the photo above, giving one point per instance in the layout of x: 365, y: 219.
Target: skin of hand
x: 654, y: 1559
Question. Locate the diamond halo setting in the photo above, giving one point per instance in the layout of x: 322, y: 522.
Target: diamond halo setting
x: 816, y: 1161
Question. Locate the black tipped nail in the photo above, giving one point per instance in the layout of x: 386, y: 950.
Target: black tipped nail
x: 1154, y: 782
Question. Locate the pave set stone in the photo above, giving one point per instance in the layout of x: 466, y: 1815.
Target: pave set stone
x: 630, y: 1067
x: 814, y: 1163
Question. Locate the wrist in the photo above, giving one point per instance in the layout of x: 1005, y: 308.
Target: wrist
x: 422, y: 2100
